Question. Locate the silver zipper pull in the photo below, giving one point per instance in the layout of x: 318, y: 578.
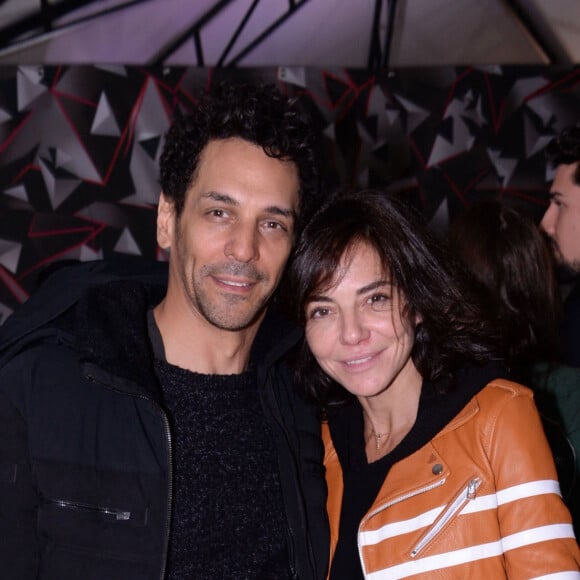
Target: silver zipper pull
x: 472, y: 487
x: 453, y: 509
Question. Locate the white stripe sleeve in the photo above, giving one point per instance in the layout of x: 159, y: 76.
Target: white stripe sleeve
x: 559, y: 576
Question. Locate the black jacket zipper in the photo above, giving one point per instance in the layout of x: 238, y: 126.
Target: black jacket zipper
x: 117, y: 514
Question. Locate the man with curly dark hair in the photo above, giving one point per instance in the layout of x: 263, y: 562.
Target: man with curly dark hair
x: 149, y: 425
x: 561, y: 222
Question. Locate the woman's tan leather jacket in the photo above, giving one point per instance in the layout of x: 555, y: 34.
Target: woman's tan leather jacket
x: 480, y: 501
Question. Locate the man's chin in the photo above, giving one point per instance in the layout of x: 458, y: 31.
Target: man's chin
x: 234, y: 318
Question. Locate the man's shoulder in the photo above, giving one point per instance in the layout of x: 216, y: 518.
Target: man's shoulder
x: 48, y: 311
x: 572, y: 300
x: 276, y: 336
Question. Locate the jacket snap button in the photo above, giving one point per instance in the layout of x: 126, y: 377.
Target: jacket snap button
x: 437, y: 469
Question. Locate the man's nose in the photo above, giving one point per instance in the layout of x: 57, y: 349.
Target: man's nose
x: 548, y: 221
x: 242, y: 244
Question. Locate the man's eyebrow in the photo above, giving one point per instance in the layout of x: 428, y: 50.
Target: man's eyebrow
x: 229, y: 200
x: 281, y: 211
x: 221, y: 197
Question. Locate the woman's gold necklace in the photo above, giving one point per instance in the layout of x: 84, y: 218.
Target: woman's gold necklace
x: 380, y: 438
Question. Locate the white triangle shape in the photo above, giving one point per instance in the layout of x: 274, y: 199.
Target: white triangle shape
x: 104, y: 122
x: 10, y: 254
x: 62, y: 158
x: 292, y: 75
x: 28, y: 89
x: 19, y: 192
x: 126, y: 244
x: 4, y: 116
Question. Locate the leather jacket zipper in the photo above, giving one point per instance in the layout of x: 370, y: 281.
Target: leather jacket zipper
x: 404, y: 497
x: 117, y: 514
x: 454, y: 508
x: 397, y: 500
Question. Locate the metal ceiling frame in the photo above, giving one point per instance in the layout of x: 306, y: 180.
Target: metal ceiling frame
x: 378, y: 57
x: 44, y: 18
x: 530, y: 18
x: 47, y: 13
x: 522, y: 10
x: 194, y: 33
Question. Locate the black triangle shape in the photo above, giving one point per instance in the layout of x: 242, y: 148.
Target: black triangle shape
x: 445, y: 129
x: 335, y: 88
x: 151, y: 146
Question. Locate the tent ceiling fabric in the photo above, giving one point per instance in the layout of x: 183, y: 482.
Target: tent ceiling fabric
x: 317, y: 33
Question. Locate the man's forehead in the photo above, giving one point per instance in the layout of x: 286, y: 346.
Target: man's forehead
x: 565, y: 178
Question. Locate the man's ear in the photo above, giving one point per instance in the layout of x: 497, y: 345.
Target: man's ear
x: 165, y: 222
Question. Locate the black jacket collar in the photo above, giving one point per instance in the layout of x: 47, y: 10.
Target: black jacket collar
x: 100, y: 310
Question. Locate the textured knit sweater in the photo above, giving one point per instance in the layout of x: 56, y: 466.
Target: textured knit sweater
x: 227, y: 508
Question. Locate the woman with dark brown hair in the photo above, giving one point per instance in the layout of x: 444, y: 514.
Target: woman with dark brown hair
x: 436, y: 466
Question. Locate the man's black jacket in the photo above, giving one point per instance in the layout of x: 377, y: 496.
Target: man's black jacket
x: 85, y: 446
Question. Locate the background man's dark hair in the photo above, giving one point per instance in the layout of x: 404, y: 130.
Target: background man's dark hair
x: 565, y: 149
x: 510, y: 260
x: 260, y: 114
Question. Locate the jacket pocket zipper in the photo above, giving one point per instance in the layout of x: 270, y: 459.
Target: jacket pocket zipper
x: 465, y: 496
x: 117, y: 514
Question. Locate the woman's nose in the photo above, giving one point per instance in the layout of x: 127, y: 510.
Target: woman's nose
x: 353, y: 329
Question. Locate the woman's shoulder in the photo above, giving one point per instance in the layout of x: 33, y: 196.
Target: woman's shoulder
x: 500, y: 397
x: 501, y: 389
x: 489, y: 402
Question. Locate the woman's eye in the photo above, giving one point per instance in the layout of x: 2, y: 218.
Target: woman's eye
x: 379, y: 302
x: 318, y: 312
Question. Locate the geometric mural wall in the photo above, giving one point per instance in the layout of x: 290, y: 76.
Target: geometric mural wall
x: 80, y: 145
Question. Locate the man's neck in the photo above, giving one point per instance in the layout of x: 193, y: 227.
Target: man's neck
x: 192, y: 343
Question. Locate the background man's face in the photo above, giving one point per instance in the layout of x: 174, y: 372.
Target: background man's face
x: 562, y: 218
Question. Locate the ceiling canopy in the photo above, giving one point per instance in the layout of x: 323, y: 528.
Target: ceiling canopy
x: 317, y: 33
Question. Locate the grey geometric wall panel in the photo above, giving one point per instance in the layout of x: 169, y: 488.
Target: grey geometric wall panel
x: 80, y: 146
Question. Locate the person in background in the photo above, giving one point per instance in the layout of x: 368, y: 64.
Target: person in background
x: 510, y: 260
x: 148, y: 428
x: 436, y: 466
x: 561, y: 222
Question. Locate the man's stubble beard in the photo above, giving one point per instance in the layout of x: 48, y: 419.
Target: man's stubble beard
x: 224, y: 316
x: 219, y: 315
x: 566, y: 271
